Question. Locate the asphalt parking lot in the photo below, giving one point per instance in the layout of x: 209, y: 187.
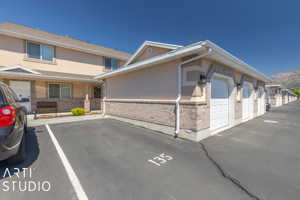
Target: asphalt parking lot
x: 109, y: 159
x: 264, y: 153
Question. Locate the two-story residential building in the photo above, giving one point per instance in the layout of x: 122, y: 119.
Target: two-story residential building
x: 42, y: 66
x: 192, y: 91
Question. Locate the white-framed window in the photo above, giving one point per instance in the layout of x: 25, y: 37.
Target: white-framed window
x: 40, y: 51
x: 111, y: 64
x: 59, y: 91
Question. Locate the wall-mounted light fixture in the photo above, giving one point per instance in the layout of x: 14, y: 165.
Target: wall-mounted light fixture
x: 202, y: 79
x: 238, y: 92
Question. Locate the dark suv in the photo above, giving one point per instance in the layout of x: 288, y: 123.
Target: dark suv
x: 13, y: 125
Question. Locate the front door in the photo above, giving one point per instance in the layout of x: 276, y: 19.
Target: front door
x: 22, y: 89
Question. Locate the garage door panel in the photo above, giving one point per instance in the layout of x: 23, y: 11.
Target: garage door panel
x: 261, y: 101
x: 219, y: 104
x: 248, y: 103
x: 22, y: 90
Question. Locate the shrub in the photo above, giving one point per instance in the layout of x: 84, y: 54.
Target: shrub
x: 296, y: 92
x: 78, y: 111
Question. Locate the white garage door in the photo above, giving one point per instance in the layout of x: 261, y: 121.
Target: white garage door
x: 219, y: 104
x: 261, y: 101
x: 247, y: 100
x: 22, y: 89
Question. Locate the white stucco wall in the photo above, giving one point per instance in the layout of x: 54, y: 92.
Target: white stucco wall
x: 158, y: 82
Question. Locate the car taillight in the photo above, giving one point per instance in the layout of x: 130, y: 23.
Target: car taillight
x: 7, y: 116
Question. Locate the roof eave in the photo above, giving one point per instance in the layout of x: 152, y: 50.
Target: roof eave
x: 273, y: 85
x: 244, y: 67
x: 239, y: 64
x: 151, y: 61
x: 60, y: 44
x: 40, y: 76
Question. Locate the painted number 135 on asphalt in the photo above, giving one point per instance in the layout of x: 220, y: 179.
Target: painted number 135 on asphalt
x: 160, y: 159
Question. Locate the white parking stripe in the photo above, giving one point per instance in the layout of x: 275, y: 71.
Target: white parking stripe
x: 81, y: 195
x: 271, y: 121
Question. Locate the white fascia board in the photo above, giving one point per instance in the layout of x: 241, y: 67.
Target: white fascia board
x: 238, y: 64
x: 154, y: 60
x: 244, y: 67
x: 40, y: 76
x: 11, y: 67
x: 163, y: 45
x: 150, y: 43
x: 274, y: 85
x: 59, y: 44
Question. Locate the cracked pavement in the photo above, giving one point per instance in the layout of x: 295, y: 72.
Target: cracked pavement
x: 263, y: 156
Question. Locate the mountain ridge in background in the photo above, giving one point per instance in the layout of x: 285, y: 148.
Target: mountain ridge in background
x: 288, y: 79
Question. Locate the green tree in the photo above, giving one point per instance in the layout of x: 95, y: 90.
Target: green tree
x: 296, y: 92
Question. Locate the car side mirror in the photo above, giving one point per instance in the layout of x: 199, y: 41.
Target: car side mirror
x: 22, y: 100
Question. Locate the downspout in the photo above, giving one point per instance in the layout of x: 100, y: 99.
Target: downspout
x: 177, y: 125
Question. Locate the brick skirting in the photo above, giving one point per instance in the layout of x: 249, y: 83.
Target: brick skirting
x: 193, y: 117
x: 65, y: 105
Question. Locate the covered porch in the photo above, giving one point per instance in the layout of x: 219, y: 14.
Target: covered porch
x: 67, y: 91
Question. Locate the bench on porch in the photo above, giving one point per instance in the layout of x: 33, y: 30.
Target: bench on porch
x: 46, y: 107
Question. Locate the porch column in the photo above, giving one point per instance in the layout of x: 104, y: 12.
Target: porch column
x: 87, y: 102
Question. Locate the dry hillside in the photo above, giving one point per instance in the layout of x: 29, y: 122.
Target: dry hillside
x: 288, y: 79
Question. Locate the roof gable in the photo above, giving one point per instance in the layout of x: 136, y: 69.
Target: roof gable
x: 19, y: 69
x: 158, y: 48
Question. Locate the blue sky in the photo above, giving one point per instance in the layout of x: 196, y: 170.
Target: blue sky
x: 263, y: 33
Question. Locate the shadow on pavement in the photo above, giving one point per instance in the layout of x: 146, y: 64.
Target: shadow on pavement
x: 32, y: 153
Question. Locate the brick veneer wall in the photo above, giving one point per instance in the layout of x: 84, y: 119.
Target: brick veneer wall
x: 65, y: 105
x: 159, y: 113
x: 193, y: 117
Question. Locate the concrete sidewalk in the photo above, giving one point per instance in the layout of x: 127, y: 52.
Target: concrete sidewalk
x: 39, y: 122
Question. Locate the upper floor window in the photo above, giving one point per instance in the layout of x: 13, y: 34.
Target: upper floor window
x: 40, y: 51
x: 111, y: 64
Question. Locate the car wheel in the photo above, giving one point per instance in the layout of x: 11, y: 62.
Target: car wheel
x: 21, y: 155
